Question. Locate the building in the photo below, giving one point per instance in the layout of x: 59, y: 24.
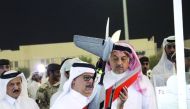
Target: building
x: 31, y: 56
x: 144, y: 46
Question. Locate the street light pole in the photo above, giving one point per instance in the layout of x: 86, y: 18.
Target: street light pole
x: 126, y: 30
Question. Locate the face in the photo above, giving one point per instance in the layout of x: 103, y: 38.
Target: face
x: 55, y: 75
x: 119, y: 61
x: 67, y: 74
x: 170, y: 50
x: 4, y: 68
x: 187, y: 64
x: 14, y: 87
x: 84, y: 84
x: 145, y: 67
x: 36, y: 77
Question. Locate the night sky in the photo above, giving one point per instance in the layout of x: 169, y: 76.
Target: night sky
x: 25, y: 22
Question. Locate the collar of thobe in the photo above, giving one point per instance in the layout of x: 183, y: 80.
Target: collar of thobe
x: 118, y: 76
x: 77, y: 95
x: 112, y: 78
x: 169, y: 64
x: 10, y: 99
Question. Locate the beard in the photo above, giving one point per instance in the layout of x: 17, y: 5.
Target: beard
x: 144, y: 70
x: 171, y: 56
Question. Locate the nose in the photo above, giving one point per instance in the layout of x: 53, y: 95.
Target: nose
x: 172, y: 49
x: 119, y: 62
x: 15, y: 86
x: 91, y: 80
x: 144, y: 66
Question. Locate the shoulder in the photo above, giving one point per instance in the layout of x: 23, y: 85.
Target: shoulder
x: 28, y: 101
x: 2, y: 101
x: 146, y: 80
x: 3, y: 104
x: 43, y: 87
x: 31, y: 102
x: 55, y: 96
x: 156, y: 69
x: 147, y: 83
x: 62, y: 102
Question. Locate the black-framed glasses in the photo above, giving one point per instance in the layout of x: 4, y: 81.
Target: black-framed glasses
x: 87, y: 77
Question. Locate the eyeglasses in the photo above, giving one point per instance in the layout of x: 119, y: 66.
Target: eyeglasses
x: 169, y: 46
x: 87, y: 77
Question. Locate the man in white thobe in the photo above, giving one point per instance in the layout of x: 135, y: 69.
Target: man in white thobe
x: 166, y: 66
x: 14, y: 91
x: 65, y: 69
x: 123, y: 61
x: 33, y: 84
x: 78, y: 89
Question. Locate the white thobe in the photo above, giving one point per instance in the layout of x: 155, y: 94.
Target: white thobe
x: 32, y: 89
x: 72, y: 100
x: 162, y: 71
x: 20, y: 103
x: 169, y: 100
x: 135, y: 100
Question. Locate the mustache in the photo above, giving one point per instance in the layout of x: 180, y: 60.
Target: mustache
x: 119, y: 66
x: 171, y: 53
x: 89, y: 86
x: 145, y: 68
x: 15, y: 91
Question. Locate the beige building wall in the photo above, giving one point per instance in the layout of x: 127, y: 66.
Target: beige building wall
x: 15, y: 56
x: 30, y: 56
x: 187, y: 43
x: 149, y: 46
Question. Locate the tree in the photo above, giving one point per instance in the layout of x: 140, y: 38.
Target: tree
x: 86, y: 59
x: 155, y: 59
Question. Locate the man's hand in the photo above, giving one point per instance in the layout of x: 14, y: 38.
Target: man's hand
x: 123, y: 97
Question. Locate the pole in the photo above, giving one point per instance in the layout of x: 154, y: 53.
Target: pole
x: 126, y: 30
x: 179, y: 38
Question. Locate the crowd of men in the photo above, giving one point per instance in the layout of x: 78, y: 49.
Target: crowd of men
x: 124, y: 81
